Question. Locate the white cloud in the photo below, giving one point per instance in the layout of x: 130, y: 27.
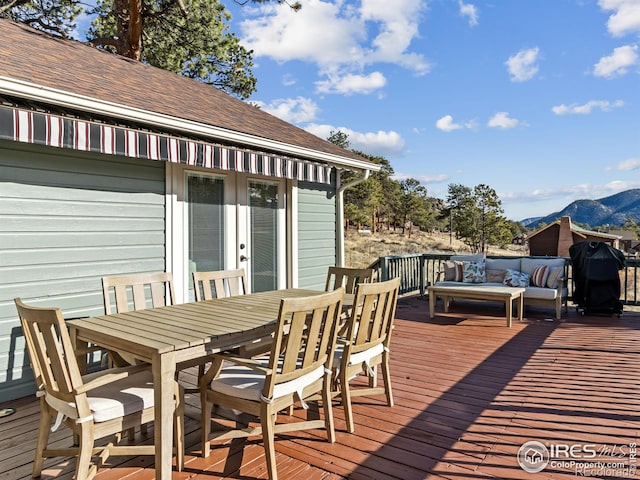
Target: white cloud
x: 338, y: 37
x: 586, y: 108
x: 572, y: 192
x: 534, y: 203
x: 617, y: 63
x: 282, y: 34
x: 523, y: 65
x: 422, y: 178
x: 502, y: 120
x: 384, y: 144
x: 288, y: 80
x: 470, y: 11
x: 446, y: 124
x: 293, y: 110
x: 627, y: 165
x: 626, y: 18
x: 352, y: 83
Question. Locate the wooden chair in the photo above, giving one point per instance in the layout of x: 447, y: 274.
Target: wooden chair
x: 93, y: 406
x: 366, y: 344
x: 125, y: 293
x: 137, y: 291
x: 297, y: 368
x: 347, y: 277
x: 218, y: 284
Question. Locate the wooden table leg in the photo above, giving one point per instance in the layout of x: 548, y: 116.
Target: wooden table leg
x: 164, y: 370
x: 521, y: 307
x: 509, y: 308
x: 79, y: 346
x: 432, y: 304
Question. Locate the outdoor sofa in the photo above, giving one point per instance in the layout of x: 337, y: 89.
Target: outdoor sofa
x: 542, y: 277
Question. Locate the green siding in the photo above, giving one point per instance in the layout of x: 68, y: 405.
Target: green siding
x: 67, y: 219
x: 316, y: 234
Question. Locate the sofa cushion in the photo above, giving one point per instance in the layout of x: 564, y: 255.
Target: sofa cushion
x: 541, y: 293
x: 495, y: 276
x: 503, y: 263
x: 516, y: 278
x: 528, y: 265
x: 473, y: 272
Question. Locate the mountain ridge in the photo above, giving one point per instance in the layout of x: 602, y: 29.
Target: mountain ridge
x: 612, y: 210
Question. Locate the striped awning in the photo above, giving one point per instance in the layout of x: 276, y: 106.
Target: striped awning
x: 24, y: 125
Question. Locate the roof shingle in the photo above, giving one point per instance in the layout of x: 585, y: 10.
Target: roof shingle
x: 71, y: 66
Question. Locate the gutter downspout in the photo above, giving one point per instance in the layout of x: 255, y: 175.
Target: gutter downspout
x: 340, y: 212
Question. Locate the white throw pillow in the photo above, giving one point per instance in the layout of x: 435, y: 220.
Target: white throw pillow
x: 473, y: 272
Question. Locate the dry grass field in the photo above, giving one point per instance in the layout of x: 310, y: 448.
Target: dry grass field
x: 362, y: 249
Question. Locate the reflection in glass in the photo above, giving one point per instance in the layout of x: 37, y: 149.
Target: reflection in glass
x: 205, y: 201
x: 263, y: 218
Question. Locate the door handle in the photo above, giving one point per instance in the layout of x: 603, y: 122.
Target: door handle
x: 243, y: 258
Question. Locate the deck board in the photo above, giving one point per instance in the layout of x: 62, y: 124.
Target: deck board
x: 468, y: 391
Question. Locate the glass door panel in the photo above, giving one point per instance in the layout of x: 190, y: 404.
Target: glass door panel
x: 206, y: 220
x: 264, y: 245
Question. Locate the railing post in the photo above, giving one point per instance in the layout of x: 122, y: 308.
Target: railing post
x: 385, y: 269
x: 423, y: 285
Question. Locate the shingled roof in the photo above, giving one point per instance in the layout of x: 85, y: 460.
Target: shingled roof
x: 72, y: 68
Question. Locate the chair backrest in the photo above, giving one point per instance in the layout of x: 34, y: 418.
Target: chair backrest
x: 219, y: 284
x: 137, y: 292
x: 347, y: 277
x: 53, y: 359
x: 304, y: 340
x: 372, y: 315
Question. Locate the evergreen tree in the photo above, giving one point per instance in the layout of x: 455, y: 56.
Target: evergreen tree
x: 189, y: 37
x: 477, y: 216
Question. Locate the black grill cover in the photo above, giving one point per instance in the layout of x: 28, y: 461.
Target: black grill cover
x: 596, y: 281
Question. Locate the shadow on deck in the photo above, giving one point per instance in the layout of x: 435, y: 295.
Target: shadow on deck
x: 468, y: 393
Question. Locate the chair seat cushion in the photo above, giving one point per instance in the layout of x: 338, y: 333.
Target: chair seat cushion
x: 541, y: 293
x: 359, y: 357
x: 129, y: 395
x: 244, y: 382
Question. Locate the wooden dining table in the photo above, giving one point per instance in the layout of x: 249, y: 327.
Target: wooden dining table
x: 167, y: 336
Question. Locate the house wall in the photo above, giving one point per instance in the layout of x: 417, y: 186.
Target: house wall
x: 316, y: 233
x: 67, y: 219
x: 545, y: 242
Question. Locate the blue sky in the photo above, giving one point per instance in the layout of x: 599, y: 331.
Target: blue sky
x: 539, y: 99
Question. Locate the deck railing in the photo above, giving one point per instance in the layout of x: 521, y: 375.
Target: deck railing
x: 418, y: 271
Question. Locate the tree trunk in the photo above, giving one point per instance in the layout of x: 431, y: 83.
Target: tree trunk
x: 135, y: 30
x: 129, y: 24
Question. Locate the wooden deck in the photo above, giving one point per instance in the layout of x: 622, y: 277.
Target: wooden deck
x: 468, y: 391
